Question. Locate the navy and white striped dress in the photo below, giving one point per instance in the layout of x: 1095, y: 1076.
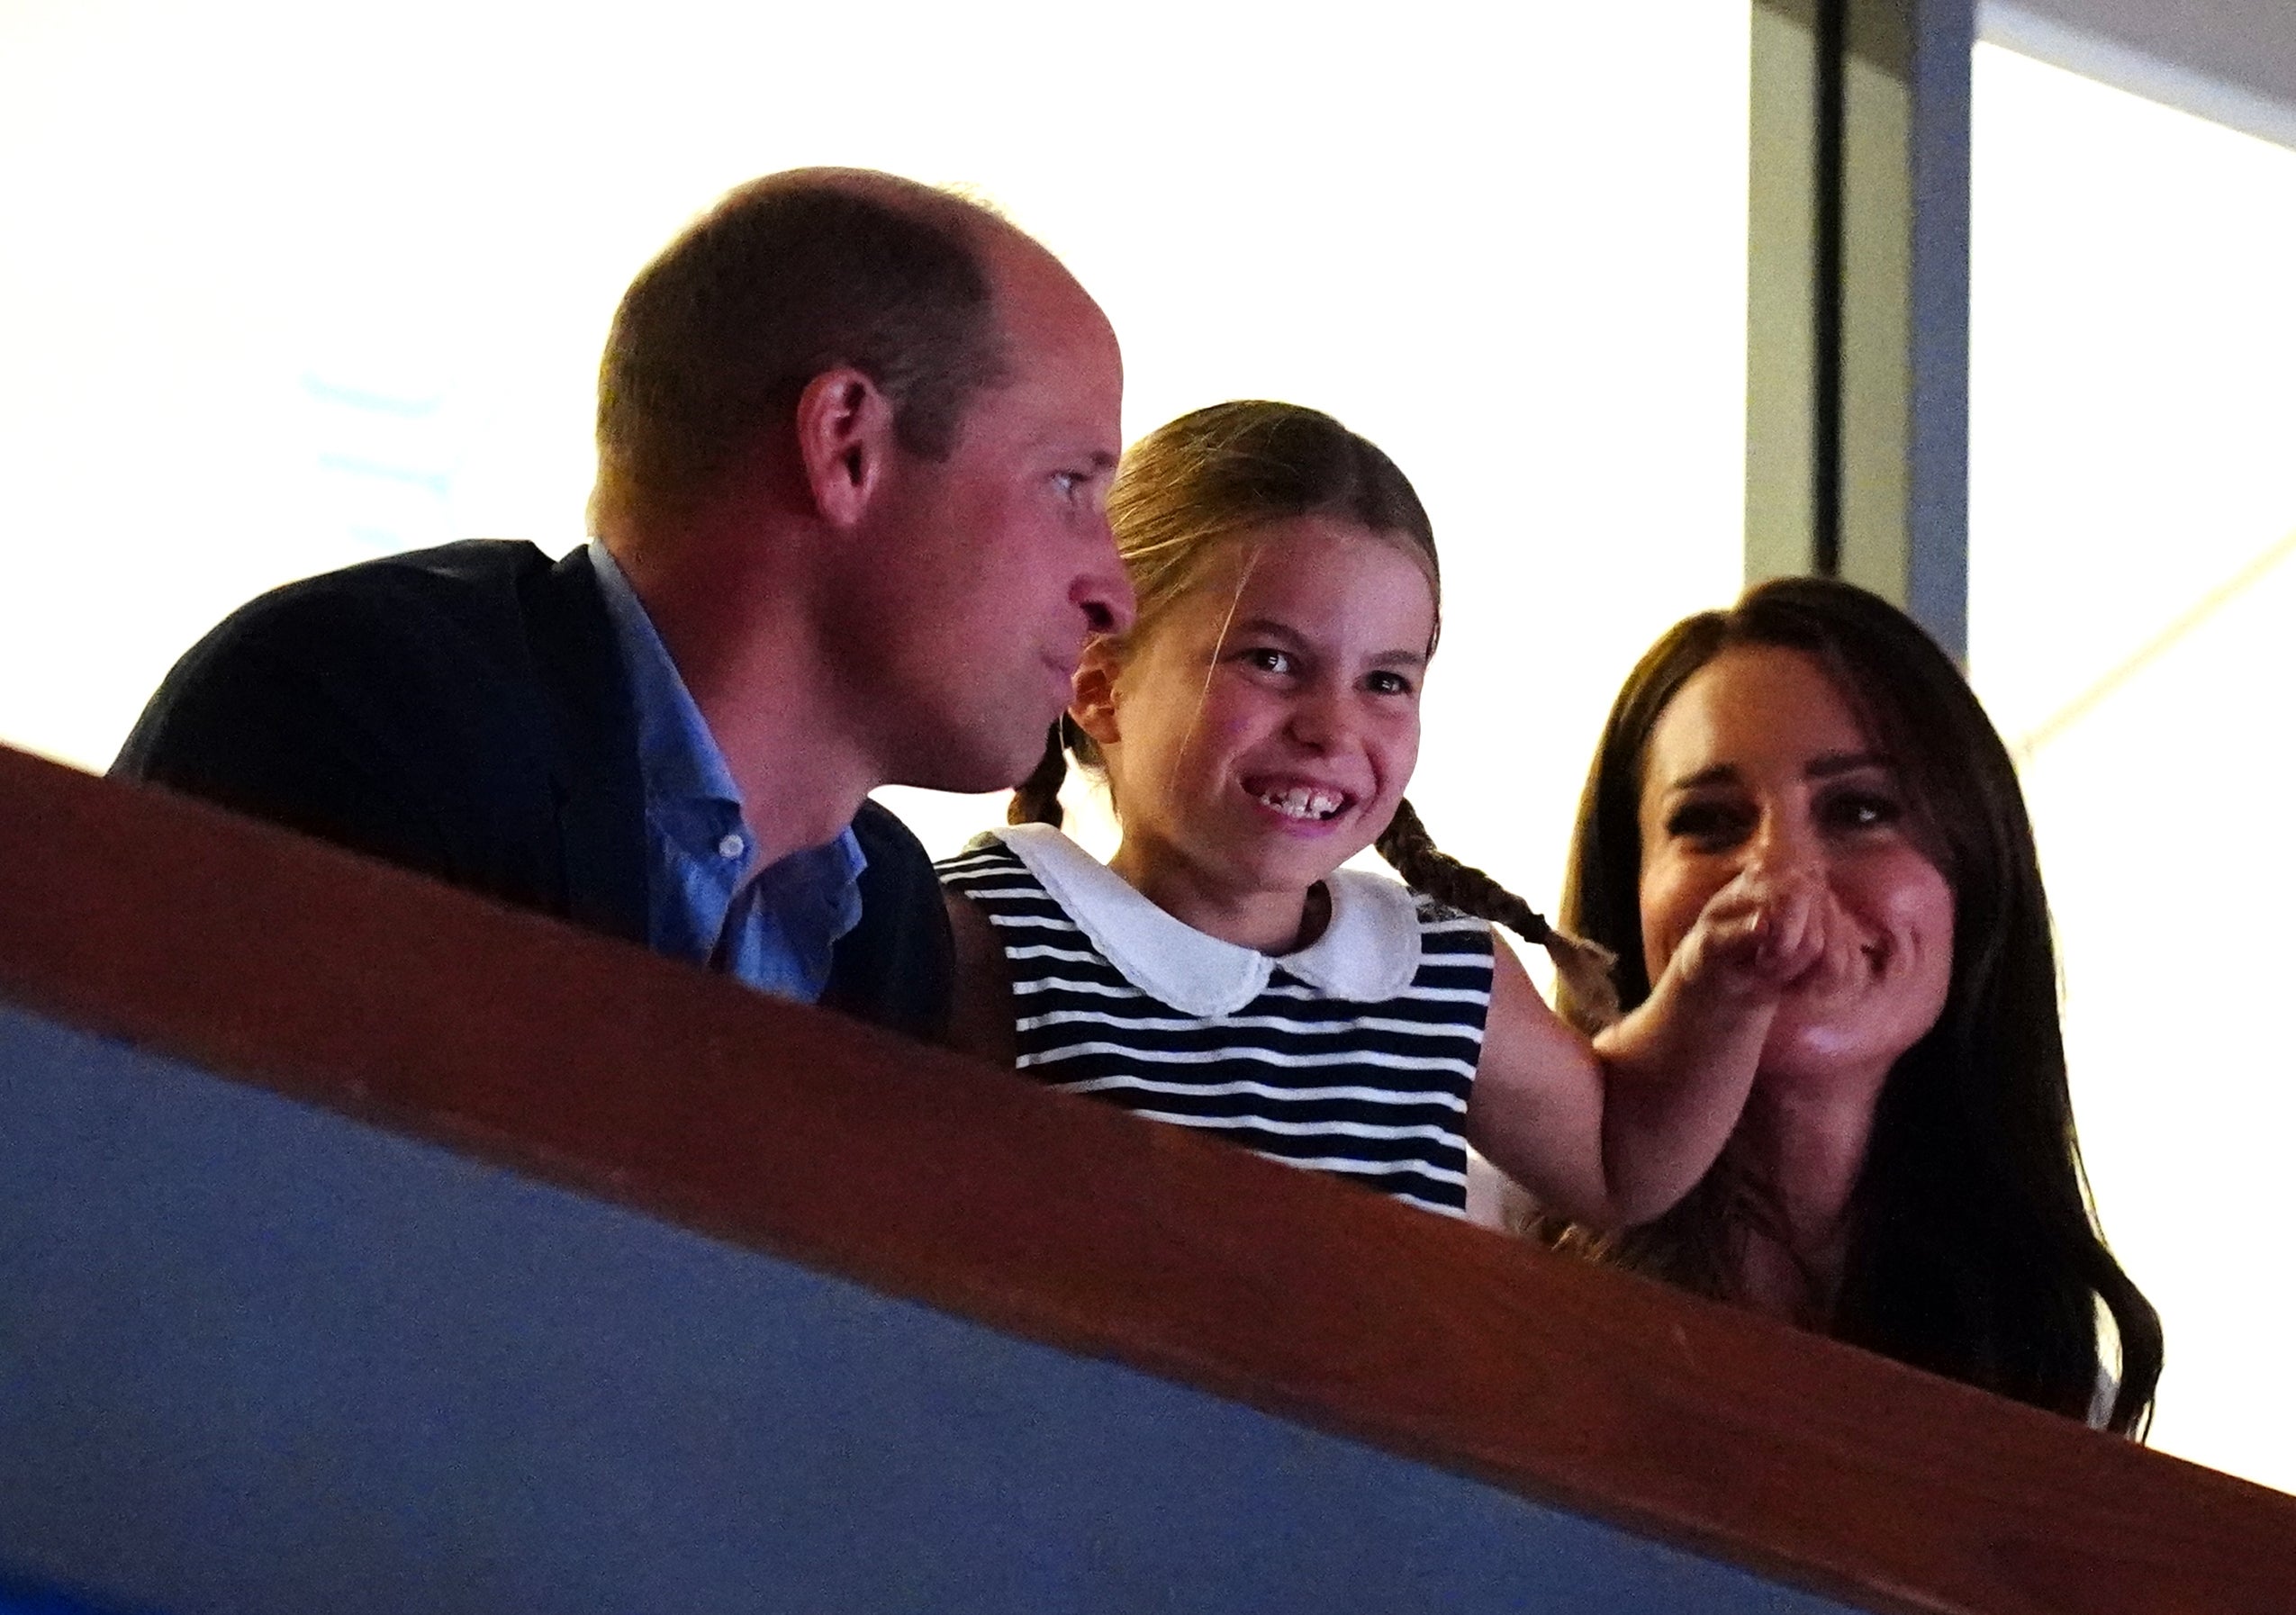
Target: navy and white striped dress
x: 1354, y: 1055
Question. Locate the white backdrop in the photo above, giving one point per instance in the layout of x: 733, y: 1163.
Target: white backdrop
x: 288, y: 285
x: 2132, y: 593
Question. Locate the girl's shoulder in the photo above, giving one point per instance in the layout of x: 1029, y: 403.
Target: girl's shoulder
x: 985, y: 854
x: 1007, y: 871
x: 998, y: 883
x: 1431, y: 912
x: 1388, y: 931
x: 1376, y: 892
x: 1379, y: 935
x: 1036, y: 857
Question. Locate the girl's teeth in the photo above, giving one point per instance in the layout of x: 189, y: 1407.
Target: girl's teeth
x: 1301, y: 802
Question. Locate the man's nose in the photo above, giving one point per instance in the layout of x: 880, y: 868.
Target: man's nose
x: 1103, y: 592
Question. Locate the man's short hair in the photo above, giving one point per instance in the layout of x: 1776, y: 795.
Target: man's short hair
x: 788, y: 276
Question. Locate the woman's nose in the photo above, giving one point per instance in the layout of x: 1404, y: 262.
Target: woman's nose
x: 1783, y: 843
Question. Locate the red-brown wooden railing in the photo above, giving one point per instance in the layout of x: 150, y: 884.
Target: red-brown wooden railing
x: 342, y: 983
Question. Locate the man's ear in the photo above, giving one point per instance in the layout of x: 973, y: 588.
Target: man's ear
x: 1093, y: 705
x: 845, y: 443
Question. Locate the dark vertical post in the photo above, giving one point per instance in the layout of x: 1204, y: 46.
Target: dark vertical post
x: 1937, y: 588
x: 1826, y: 289
x: 1859, y: 300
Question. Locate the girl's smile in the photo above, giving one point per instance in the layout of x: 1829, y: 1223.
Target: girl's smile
x: 1260, y: 732
x: 1303, y: 806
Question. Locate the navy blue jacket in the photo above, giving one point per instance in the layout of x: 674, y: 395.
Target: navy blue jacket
x: 463, y: 711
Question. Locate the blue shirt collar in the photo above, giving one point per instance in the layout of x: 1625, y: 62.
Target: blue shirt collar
x: 677, y: 756
x: 775, y: 928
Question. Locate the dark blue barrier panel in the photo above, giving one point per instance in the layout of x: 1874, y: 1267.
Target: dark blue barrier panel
x: 21, y: 1598
x: 255, y: 1357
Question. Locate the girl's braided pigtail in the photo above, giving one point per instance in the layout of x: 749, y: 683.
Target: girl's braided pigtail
x: 1036, y: 800
x: 1582, y: 968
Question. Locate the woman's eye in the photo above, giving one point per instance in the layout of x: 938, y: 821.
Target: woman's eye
x: 1862, y: 810
x: 1268, y: 659
x: 1068, y: 484
x: 1708, y: 823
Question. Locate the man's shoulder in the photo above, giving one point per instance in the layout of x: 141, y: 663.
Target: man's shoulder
x: 468, y: 613
x: 898, y: 875
x: 443, y: 640
x: 896, y: 966
x: 437, y: 709
x: 469, y: 581
x: 882, y: 834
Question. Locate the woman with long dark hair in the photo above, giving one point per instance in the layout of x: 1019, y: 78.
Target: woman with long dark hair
x: 1905, y: 1176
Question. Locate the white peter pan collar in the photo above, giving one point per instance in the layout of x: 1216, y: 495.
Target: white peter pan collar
x: 1368, y: 953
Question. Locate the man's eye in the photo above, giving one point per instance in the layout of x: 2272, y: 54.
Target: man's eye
x: 1385, y: 682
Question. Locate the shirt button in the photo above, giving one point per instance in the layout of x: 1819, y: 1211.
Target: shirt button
x: 733, y: 847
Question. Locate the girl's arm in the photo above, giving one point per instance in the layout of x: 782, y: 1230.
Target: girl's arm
x: 980, y: 1007
x: 1615, y: 1131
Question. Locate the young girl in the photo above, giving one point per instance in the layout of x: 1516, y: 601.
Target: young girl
x: 1257, y: 726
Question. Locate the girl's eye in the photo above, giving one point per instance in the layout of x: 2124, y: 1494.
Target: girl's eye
x: 1268, y: 660
x: 1068, y: 484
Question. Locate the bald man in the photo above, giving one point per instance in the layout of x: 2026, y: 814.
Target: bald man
x: 855, y: 442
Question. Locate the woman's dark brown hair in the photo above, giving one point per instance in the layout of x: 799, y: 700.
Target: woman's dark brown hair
x: 1973, y: 1251
x: 1214, y: 475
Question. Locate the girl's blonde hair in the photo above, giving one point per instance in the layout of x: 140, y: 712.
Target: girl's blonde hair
x: 1219, y: 472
